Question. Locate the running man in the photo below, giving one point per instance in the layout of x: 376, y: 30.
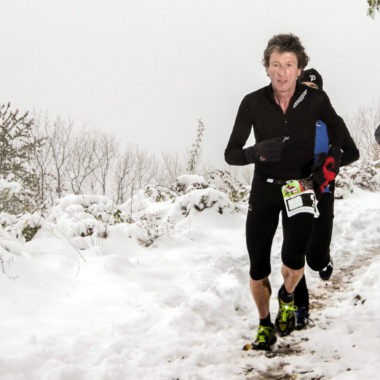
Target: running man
x: 282, y: 116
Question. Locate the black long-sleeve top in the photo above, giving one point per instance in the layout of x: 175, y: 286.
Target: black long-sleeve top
x: 260, y: 111
x: 350, y: 151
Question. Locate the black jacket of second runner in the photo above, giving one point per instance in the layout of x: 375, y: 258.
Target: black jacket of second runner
x: 260, y: 111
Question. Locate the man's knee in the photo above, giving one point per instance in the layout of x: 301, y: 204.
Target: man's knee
x: 260, y: 282
x: 317, y: 263
x: 294, y: 263
x: 259, y: 274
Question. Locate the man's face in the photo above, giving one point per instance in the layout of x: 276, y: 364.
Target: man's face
x: 283, y: 72
x: 311, y: 84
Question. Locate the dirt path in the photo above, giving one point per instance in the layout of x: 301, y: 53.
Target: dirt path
x: 341, y: 280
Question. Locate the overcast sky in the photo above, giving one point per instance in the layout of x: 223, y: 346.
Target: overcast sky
x: 146, y: 70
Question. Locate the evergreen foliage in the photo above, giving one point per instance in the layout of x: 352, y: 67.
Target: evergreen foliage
x: 17, y: 145
x: 373, y: 6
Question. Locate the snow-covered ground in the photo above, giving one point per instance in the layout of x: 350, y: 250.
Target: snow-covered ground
x: 87, y: 308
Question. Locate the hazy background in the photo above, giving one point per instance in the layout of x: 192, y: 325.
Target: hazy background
x: 147, y: 70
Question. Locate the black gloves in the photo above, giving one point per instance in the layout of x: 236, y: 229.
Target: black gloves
x: 266, y: 151
x: 325, y: 170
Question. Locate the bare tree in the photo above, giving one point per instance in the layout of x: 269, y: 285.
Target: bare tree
x: 171, y: 166
x: 134, y: 169
x: 362, y: 126
x: 59, y: 136
x: 82, y: 161
x: 105, y: 155
x: 145, y: 168
x: 42, y: 158
x: 123, y: 175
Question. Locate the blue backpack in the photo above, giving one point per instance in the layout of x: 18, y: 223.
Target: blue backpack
x: 321, y: 142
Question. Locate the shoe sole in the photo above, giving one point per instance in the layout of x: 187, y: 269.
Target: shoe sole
x: 264, y: 346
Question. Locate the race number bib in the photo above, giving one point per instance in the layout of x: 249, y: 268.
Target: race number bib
x: 299, y: 197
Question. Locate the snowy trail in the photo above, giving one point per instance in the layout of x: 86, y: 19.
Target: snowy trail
x: 343, y: 342
x: 335, y: 347
x: 181, y: 309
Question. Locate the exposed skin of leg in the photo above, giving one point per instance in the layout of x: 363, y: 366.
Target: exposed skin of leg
x: 261, y: 289
x: 291, y: 277
x: 261, y: 292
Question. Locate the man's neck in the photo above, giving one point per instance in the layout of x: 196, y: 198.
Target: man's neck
x: 283, y: 98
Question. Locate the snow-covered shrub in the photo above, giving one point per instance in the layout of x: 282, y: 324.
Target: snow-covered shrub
x: 152, y: 212
x: 85, y: 215
x: 14, y: 199
x: 156, y: 210
x: 363, y: 174
x: 147, y: 210
x: 223, y: 181
x: 7, y: 221
x: 159, y: 193
x: 26, y: 226
x: 151, y: 228
x: 200, y: 200
x: 188, y: 182
x: 9, y: 187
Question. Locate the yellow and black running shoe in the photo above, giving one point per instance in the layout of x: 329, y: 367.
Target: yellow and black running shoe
x: 285, y: 320
x: 265, y: 338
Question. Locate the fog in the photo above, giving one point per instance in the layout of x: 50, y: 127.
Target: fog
x: 146, y: 71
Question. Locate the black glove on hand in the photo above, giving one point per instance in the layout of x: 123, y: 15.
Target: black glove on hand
x: 265, y: 151
x: 325, y: 170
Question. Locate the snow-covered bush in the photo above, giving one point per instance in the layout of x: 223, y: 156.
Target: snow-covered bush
x: 14, y: 199
x: 224, y: 181
x: 85, y: 215
x: 160, y: 193
x: 22, y: 227
x: 151, y: 228
x: 200, y: 200
x: 188, y: 182
x: 156, y: 210
x: 152, y: 212
x: 28, y: 225
x: 363, y: 174
x: 7, y: 221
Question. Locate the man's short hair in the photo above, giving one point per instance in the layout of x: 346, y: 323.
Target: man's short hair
x: 286, y: 43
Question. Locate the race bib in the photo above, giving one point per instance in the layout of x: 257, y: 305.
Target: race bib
x: 299, y: 197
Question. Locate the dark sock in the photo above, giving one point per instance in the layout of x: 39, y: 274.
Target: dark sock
x: 301, y: 294
x: 284, y: 295
x: 266, y: 321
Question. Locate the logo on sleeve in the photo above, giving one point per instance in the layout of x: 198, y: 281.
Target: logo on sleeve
x: 299, y: 100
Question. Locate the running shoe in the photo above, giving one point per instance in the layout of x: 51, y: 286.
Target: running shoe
x: 302, y: 317
x: 285, y: 320
x: 265, y: 338
x: 326, y: 272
